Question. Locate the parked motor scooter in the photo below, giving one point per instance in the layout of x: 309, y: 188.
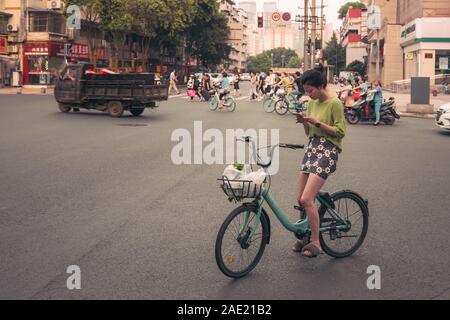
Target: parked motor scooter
x: 363, y: 111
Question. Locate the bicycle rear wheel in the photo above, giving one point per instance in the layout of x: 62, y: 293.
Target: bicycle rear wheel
x: 353, y: 209
x: 236, y: 254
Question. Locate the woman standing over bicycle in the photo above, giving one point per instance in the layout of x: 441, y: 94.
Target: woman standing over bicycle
x: 325, y: 126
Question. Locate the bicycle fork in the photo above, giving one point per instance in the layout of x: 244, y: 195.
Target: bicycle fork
x: 246, y: 232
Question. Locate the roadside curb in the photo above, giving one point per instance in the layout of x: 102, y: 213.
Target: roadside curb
x: 417, y: 115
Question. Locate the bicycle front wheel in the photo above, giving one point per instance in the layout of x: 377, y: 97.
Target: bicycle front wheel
x: 281, y: 107
x: 338, y: 242
x: 236, y: 254
x: 269, y: 105
x: 230, y: 104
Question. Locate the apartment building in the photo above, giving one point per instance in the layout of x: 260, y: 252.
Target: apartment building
x: 353, y: 31
x: 238, y: 39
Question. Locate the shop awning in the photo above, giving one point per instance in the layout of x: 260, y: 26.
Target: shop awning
x: 44, y: 11
x: 5, y: 14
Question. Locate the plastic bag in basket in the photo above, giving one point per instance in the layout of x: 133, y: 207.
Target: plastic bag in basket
x: 257, y: 178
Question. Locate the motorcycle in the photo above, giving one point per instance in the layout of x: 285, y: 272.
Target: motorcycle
x: 363, y: 111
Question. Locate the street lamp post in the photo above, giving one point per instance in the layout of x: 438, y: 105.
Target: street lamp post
x: 272, y: 58
x: 282, y: 60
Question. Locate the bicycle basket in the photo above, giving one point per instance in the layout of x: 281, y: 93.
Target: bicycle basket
x: 238, y: 190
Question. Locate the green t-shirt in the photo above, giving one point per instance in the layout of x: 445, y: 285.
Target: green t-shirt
x: 330, y: 112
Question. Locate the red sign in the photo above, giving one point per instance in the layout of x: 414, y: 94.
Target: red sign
x: 3, y: 45
x: 286, y: 16
x: 354, y: 13
x: 276, y: 16
x: 37, y: 48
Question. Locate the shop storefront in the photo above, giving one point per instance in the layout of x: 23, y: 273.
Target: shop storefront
x: 426, y: 47
x: 42, y: 62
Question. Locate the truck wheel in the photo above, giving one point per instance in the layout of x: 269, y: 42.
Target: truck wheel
x: 64, y: 107
x: 137, y: 111
x: 115, y: 109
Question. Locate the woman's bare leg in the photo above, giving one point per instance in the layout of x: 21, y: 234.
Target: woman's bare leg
x: 313, y: 186
x: 302, y: 181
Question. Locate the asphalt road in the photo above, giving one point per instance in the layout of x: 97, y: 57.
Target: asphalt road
x: 103, y: 194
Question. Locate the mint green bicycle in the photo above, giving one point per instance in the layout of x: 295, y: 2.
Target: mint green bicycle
x: 242, y: 239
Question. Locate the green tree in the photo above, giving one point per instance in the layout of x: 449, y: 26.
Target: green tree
x: 259, y: 63
x: 159, y: 23
x: 207, y: 33
x: 344, y: 9
x: 357, y: 66
x: 117, y: 22
x: 278, y: 54
x: 294, y: 62
x: 335, y: 54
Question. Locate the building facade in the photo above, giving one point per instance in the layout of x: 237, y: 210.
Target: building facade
x: 389, y: 52
x: 33, y: 35
x: 425, y: 37
x: 353, y: 31
x: 238, y: 39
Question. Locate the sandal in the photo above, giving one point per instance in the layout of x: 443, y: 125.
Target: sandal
x: 311, y: 248
x: 299, y: 245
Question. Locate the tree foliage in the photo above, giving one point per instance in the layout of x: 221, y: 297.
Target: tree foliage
x: 335, y: 54
x: 207, y: 33
x: 357, y: 66
x: 161, y: 24
x: 282, y: 57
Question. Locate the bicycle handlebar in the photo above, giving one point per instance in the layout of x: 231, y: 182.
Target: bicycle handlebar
x: 281, y: 145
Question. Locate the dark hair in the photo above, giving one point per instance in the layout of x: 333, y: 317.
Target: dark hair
x: 314, y: 78
x: 298, y: 74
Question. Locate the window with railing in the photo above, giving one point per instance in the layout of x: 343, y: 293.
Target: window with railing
x: 45, y: 22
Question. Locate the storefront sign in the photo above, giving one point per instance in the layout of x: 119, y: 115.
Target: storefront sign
x: 409, y: 56
x: 37, y: 48
x: 80, y: 51
x: 443, y: 63
x: 3, y: 45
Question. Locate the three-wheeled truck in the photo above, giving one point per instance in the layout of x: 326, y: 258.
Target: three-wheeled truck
x: 78, y: 87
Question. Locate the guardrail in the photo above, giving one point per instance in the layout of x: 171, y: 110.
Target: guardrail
x: 404, y: 86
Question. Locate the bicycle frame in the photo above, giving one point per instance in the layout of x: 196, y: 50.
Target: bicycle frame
x: 300, y: 228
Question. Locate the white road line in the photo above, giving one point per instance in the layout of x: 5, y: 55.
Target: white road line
x: 177, y: 96
x: 242, y: 98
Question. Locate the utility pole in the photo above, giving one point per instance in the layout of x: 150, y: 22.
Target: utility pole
x: 306, y: 35
x: 378, y: 55
x: 322, y: 18
x: 313, y: 33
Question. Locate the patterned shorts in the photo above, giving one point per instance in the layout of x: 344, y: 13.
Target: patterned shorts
x: 320, y: 158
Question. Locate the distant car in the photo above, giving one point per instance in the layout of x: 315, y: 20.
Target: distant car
x: 443, y: 117
x: 246, y: 77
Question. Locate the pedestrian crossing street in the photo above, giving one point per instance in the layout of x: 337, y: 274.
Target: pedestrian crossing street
x: 183, y: 96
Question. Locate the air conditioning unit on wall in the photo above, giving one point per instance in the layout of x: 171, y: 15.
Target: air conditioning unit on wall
x: 54, y: 4
x: 12, y: 27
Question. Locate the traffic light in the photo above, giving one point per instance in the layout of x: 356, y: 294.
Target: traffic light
x: 68, y: 49
x: 260, y: 20
x: 318, y: 44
